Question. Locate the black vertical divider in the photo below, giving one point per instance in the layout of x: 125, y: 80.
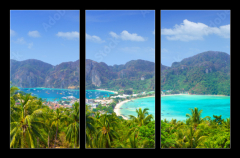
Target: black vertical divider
x: 82, y: 78
x: 157, y: 80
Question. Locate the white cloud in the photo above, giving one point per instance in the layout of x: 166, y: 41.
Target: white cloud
x: 125, y: 35
x: 12, y: 33
x: 20, y: 41
x: 30, y: 45
x: 164, y: 50
x: 188, y: 31
x: 153, y: 32
x: 113, y: 34
x: 94, y: 38
x: 33, y: 34
x: 68, y: 35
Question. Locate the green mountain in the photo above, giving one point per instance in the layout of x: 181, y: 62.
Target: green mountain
x: 204, y: 73
x: 35, y: 73
x: 136, y: 74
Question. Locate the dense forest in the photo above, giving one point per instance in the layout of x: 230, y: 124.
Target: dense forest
x: 196, y: 132
x: 34, y: 125
x: 111, y: 131
x: 204, y: 73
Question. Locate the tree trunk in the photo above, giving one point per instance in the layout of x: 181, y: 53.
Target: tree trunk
x: 55, y: 136
x: 22, y: 141
x: 48, y: 138
x: 37, y: 142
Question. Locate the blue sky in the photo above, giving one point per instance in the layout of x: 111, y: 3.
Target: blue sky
x: 49, y: 36
x: 116, y: 37
x: 187, y: 33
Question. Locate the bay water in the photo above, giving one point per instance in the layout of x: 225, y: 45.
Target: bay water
x: 177, y: 106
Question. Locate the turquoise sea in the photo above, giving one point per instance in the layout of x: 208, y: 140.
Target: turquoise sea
x: 129, y: 108
x: 177, y: 106
x: 93, y: 94
x: 51, y: 94
x: 54, y: 93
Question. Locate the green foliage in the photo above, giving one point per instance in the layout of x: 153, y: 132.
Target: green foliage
x: 34, y: 125
x: 196, y: 132
x: 111, y: 131
x: 127, y: 91
x: 204, y: 73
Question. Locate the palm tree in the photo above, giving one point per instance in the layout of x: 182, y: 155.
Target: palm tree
x: 48, y: 117
x: 13, y: 90
x: 90, y: 127
x: 142, y: 117
x: 227, y: 123
x: 195, y: 115
x: 189, y: 138
x: 105, y: 131
x: 73, y: 127
x: 57, y: 118
x: 25, y: 128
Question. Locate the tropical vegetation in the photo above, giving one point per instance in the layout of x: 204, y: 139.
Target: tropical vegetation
x: 112, y: 131
x: 33, y: 124
x: 196, y: 132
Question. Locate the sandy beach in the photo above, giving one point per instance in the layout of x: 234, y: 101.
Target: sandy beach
x: 107, y: 91
x: 116, y: 108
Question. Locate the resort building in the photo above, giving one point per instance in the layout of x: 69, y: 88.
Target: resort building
x: 70, y: 97
x: 121, y: 96
x: 90, y: 101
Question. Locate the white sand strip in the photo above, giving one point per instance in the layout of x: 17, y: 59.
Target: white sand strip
x: 107, y: 91
x: 116, y: 108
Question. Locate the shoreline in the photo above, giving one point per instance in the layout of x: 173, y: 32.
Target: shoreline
x: 118, y: 105
x: 194, y: 94
x: 50, y: 88
x: 107, y: 91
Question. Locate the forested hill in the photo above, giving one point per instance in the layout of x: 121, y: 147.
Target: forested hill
x: 136, y: 74
x: 204, y: 73
x: 35, y: 73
